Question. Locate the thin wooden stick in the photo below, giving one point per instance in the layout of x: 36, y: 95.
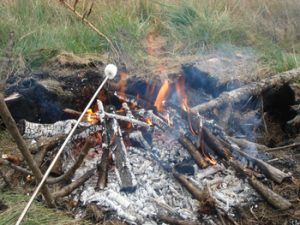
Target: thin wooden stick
x: 15, y: 167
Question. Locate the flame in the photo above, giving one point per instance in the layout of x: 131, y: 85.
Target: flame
x: 181, y: 94
x: 149, y: 121
x: 163, y: 91
x: 209, y: 159
x: 90, y: 116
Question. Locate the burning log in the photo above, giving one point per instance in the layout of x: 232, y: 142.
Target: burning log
x: 215, y: 144
x: 123, y: 169
x: 103, y: 169
x: 252, y: 89
x: 175, y: 221
x: 90, y: 142
x: 66, y: 190
x: 193, y: 151
x: 271, y: 197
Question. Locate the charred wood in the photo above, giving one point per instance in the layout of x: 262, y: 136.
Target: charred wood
x: 68, y: 189
x: 271, y: 197
x: 13, y: 130
x: 215, y: 144
x: 90, y: 142
x: 103, y: 169
x: 252, y: 89
x: 186, y: 143
x: 119, y: 152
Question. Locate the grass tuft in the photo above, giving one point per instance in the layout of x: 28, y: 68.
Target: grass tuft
x: 270, y: 27
x: 38, y: 214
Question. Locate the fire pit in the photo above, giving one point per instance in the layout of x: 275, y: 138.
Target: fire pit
x: 144, y: 155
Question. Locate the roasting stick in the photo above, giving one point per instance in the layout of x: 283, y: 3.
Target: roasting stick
x: 110, y: 72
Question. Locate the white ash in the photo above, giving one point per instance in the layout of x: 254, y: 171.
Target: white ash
x: 157, y: 191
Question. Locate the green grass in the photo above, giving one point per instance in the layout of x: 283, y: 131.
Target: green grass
x: 37, y: 215
x: 271, y: 28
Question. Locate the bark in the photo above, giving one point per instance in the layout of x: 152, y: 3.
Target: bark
x: 13, y: 130
x: 270, y: 171
x: 252, y: 89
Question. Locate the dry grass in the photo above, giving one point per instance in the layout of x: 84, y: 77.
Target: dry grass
x: 270, y: 27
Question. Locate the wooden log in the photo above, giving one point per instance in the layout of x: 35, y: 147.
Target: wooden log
x: 196, y: 155
x: 252, y: 89
x: 175, y: 221
x: 215, y: 144
x: 13, y: 130
x: 245, y: 144
x: 192, y: 188
x: 270, y: 171
x: 270, y: 196
x: 68, y: 189
x: 119, y: 152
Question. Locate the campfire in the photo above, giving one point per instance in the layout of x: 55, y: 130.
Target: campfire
x: 148, y: 157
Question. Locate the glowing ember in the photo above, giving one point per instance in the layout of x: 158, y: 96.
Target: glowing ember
x: 149, y: 121
x: 161, y: 95
x: 90, y: 116
x: 209, y: 159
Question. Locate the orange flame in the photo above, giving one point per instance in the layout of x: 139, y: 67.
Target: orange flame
x: 90, y: 116
x: 180, y: 90
x: 209, y: 159
x: 149, y: 121
x: 163, y: 91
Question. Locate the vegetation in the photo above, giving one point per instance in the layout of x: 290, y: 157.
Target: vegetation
x: 38, y: 214
x: 44, y: 26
